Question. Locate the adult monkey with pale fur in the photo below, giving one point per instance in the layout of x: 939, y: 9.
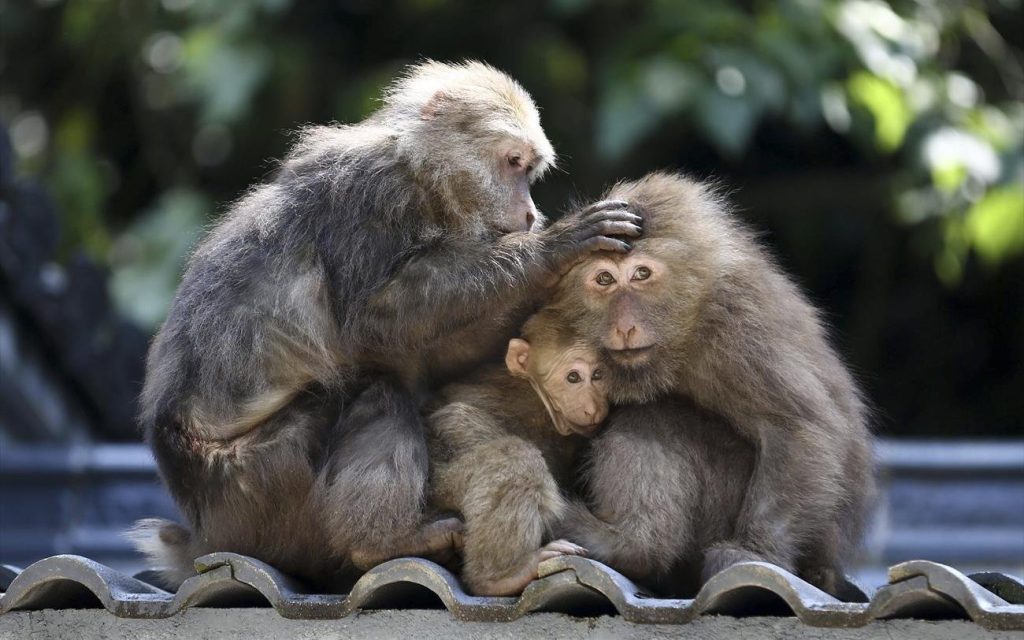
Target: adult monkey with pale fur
x: 504, y: 448
x: 697, y: 309
x: 282, y: 393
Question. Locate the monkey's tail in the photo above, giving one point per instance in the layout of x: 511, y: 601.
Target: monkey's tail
x: 168, y: 548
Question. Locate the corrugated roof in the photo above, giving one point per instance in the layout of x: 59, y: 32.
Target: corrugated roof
x: 916, y: 589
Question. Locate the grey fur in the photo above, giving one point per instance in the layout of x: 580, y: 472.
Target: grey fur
x: 281, y: 397
x: 733, y: 334
x: 498, y: 461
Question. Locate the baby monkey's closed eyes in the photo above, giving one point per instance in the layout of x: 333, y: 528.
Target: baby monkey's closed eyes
x: 504, y: 447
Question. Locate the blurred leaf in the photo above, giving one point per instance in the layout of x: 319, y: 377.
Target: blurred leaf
x: 728, y: 120
x: 671, y: 85
x: 885, y: 102
x: 80, y: 185
x: 624, y: 116
x: 764, y: 83
x: 995, y: 224
x: 147, y: 259
x: 949, y: 177
x: 566, y: 66
x: 225, y: 75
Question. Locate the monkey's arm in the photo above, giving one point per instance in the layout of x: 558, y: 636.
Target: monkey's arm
x: 794, y: 489
x: 643, y: 497
x: 508, y: 497
x: 456, y: 282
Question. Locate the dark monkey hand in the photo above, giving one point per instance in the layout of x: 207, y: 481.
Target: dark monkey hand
x: 602, y: 226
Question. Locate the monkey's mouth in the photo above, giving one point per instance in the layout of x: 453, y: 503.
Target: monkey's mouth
x: 566, y: 427
x: 631, y: 357
x: 585, y: 430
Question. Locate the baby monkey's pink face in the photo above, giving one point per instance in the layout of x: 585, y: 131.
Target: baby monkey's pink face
x: 568, y: 380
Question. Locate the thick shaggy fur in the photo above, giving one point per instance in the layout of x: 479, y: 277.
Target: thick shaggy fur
x: 282, y: 393
x: 667, y: 481
x: 736, y: 337
x: 497, y: 460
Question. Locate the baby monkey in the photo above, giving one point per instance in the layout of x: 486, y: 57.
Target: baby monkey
x: 504, y: 446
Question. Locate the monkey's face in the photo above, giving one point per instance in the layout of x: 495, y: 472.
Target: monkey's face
x: 518, y: 166
x: 483, y: 156
x: 569, y: 380
x: 574, y: 383
x: 629, y: 306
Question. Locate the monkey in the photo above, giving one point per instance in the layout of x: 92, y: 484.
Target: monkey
x: 283, y: 392
x: 698, y: 310
x: 669, y: 480
x: 504, y: 445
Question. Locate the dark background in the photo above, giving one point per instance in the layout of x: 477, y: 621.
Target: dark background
x: 877, y: 147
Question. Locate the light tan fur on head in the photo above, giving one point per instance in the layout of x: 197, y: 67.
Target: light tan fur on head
x: 564, y: 372
x: 458, y: 126
x: 428, y: 88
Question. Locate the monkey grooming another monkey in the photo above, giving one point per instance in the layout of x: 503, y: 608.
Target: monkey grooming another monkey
x: 282, y: 394
x: 698, y: 310
x: 503, y: 447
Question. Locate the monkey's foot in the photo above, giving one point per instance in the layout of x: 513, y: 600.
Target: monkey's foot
x: 435, y: 541
x: 825, y: 578
x: 513, y: 583
x: 723, y: 555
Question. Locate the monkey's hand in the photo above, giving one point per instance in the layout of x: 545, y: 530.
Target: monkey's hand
x: 602, y: 226
x: 513, y: 583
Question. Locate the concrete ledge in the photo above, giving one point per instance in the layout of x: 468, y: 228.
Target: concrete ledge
x: 251, y: 624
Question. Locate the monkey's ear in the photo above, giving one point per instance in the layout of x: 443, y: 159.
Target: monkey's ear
x: 517, y: 358
x: 436, y: 105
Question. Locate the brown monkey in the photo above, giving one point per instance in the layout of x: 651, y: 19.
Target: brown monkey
x: 283, y: 392
x: 504, y: 447
x: 697, y: 309
x: 668, y: 480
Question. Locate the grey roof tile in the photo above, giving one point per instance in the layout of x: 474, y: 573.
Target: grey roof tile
x: 1006, y: 587
x: 7, y: 573
x: 567, y: 584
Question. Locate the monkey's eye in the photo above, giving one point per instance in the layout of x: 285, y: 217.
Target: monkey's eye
x: 597, y: 375
x: 604, y: 279
x: 515, y: 161
x: 642, y: 273
x: 574, y: 377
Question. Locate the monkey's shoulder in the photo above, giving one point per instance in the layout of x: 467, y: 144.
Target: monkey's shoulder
x: 493, y: 390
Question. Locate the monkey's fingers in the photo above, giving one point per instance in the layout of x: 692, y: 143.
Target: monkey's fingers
x: 547, y: 554
x: 442, y: 535
x: 602, y: 205
x: 565, y: 548
x: 604, y: 243
x: 615, y: 215
x: 610, y: 228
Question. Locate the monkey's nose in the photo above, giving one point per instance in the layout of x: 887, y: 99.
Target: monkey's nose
x: 627, y: 335
x: 530, y: 219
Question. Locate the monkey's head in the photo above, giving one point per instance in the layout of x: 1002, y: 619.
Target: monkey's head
x: 472, y: 136
x: 566, y: 373
x: 642, y: 308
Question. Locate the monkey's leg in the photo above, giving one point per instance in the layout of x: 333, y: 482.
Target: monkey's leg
x: 644, y: 495
x: 509, y: 505
x: 375, y: 479
x: 793, y: 495
x: 820, y: 565
x: 435, y: 540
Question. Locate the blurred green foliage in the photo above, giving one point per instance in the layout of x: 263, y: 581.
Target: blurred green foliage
x: 879, y: 143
